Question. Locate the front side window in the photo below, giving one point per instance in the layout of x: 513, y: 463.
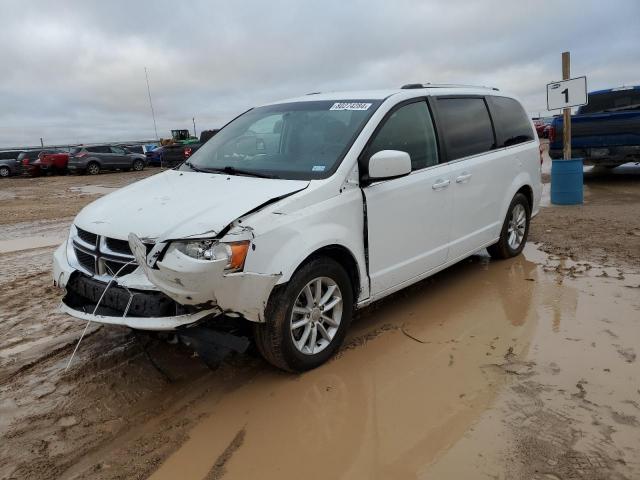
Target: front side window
x: 117, y: 150
x: 512, y: 124
x: 300, y: 140
x: 466, y: 126
x: 408, y: 129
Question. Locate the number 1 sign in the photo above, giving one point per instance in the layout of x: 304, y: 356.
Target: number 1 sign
x: 567, y: 93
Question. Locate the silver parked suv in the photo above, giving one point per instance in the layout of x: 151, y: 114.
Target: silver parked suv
x: 103, y: 157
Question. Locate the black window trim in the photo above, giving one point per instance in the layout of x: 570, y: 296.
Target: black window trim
x: 364, y: 177
x: 494, y: 147
x: 498, y: 134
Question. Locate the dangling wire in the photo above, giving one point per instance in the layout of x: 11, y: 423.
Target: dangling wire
x: 96, y: 309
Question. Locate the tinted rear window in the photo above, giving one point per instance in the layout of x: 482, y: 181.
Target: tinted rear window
x: 9, y: 155
x: 511, y: 121
x: 99, y: 149
x: 618, y: 100
x: 466, y: 126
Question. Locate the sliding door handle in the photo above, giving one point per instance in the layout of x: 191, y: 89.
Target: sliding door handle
x: 440, y: 184
x: 463, y: 178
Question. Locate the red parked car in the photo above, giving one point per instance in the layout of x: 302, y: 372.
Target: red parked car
x: 55, y: 162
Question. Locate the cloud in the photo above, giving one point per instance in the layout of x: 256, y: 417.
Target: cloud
x: 74, y: 71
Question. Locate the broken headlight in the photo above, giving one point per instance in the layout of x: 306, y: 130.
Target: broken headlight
x: 233, y: 252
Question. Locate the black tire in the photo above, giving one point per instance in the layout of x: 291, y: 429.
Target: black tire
x: 93, y: 168
x: 274, y: 338
x: 138, y: 165
x: 502, y: 249
x: 4, y: 172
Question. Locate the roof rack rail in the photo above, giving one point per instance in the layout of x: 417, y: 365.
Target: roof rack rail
x: 410, y: 86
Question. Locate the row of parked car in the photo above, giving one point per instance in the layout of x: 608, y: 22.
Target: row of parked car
x: 82, y: 159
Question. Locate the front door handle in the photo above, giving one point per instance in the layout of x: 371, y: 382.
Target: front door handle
x: 464, y: 178
x: 440, y: 184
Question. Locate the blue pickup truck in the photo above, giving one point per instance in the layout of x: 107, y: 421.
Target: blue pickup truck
x: 604, y: 132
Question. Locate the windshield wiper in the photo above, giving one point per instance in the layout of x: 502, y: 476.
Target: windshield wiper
x: 238, y: 171
x: 193, y: 167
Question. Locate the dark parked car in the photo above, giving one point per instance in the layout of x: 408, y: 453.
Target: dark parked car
x: 606, y: 131
x: 175, y: 154
x: 9, y: 164
x: 154, y: 157
x: 95, y: 158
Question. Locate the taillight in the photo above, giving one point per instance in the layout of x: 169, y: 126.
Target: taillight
x: 187, y: 152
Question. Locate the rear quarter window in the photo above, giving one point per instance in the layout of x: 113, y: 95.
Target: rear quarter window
x: 466, y: 126
x: 511, y: 121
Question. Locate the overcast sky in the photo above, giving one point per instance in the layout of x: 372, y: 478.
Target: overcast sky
x: 73, y: 71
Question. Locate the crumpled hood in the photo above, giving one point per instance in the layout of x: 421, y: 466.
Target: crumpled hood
x: 176, y: 204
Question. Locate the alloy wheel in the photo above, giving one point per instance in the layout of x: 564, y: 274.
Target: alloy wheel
x: 517, y: 226
x: 316, y: 315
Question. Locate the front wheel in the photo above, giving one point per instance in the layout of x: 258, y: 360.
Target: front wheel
x: 307, y: 319
x: 4, y: 172
x: 138, y: 165
x: 515, y: 229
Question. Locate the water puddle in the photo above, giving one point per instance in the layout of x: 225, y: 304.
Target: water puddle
x: 415, y: 372
x: 92, y: 189
x: 29, y: 243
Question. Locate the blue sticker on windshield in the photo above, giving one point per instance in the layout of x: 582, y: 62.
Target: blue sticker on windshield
x: 318, y: 168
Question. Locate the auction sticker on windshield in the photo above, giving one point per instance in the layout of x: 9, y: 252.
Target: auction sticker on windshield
x: 350, y: 106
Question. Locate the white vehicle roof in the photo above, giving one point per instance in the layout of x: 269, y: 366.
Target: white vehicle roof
x: 414, y: 91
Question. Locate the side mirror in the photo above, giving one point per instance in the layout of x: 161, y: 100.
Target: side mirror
x: 389, y: 164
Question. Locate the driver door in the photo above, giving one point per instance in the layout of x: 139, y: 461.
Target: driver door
x: 408, y: 218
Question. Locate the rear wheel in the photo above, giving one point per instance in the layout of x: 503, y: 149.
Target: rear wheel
x: 4, y: 172
x: 93, y: 168
x: 138, y: 165
x: 515, y: 229
x: 307, y: 319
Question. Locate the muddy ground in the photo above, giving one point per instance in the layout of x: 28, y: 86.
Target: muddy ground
x: 521, y: 369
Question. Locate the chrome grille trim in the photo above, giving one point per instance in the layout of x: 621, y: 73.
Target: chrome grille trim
x: 106, y: 261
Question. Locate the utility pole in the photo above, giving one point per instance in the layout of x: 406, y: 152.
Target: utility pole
x: 194, y: 126
x: 566, y: 113
x: 41, y: 143
x: 153, y: 114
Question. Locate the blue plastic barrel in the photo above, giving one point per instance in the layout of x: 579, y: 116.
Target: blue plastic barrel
x: 566, y: 181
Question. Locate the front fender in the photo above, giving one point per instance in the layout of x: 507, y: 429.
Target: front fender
x: 293, y: 237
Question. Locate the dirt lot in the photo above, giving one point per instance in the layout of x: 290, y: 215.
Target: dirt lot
x: 521, y: 369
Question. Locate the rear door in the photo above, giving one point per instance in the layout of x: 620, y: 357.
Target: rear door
x: 479, y: 173
x: 408, y: 217
x: 120, y: 157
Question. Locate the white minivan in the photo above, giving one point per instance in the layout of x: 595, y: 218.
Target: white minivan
x: 298, y: 212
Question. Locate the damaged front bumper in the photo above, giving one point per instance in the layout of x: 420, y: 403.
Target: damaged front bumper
x: 178, y: 291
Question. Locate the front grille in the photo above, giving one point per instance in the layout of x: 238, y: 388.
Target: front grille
x: 102, y: 256
x: 113, y: 268
x: 87, y: 260
x: 119, y: 246
x: 87, y: 236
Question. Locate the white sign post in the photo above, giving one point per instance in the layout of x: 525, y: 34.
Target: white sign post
x: 567, y: 93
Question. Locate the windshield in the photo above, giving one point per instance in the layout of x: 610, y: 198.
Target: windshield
x: 302, y: 140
